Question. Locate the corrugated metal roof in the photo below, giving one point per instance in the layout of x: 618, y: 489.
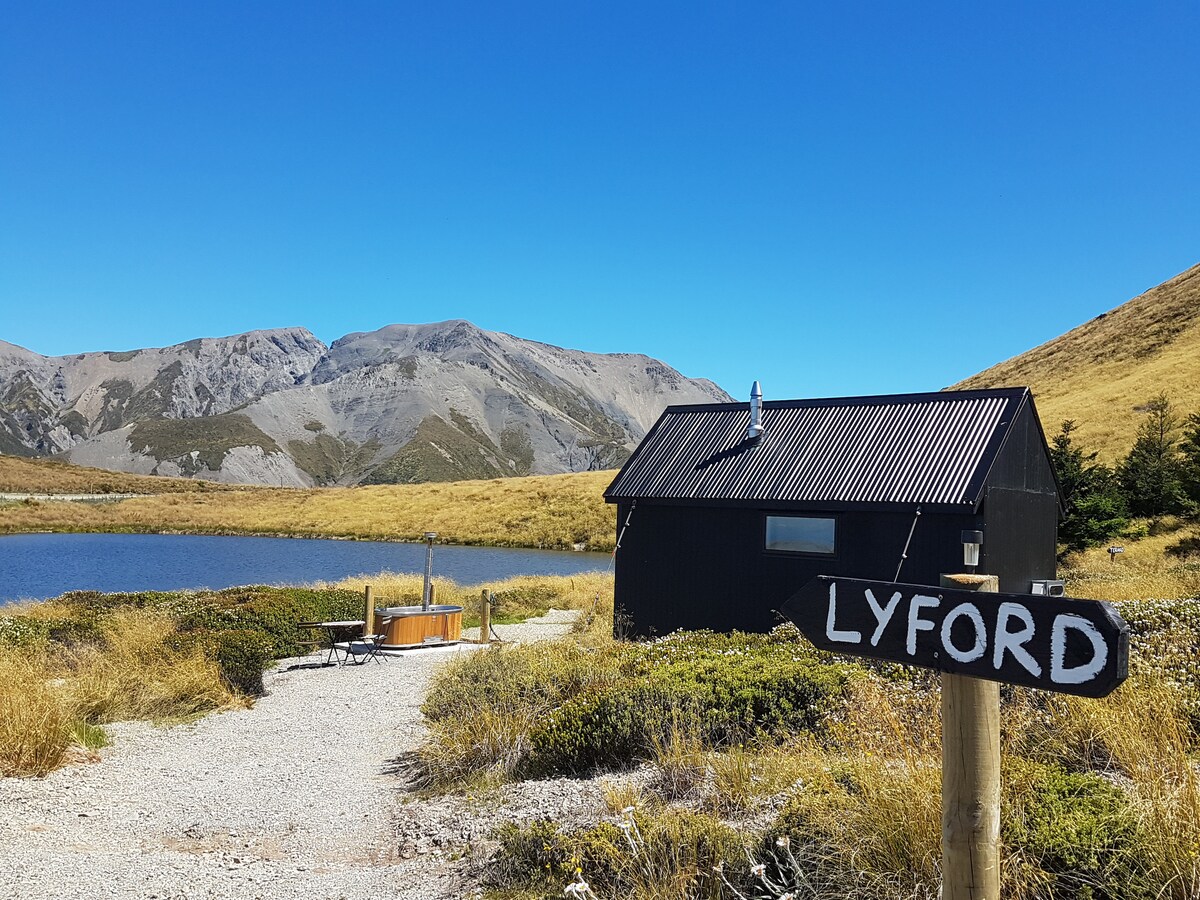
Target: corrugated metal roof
x: 902, y: 449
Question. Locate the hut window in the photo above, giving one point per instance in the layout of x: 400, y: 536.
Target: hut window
x: 801, y: 534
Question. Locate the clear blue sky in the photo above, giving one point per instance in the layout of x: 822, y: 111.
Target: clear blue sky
x: 833, y: 198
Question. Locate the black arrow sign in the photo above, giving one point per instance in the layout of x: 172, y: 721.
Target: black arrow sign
x: 1054, y: 643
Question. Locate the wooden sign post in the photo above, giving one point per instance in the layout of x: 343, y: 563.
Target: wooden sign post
x: 970, y: 775
x: 976, y: 637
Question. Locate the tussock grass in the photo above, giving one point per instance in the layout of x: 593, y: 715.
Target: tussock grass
x: 139, y: 672
x: 20, y: 474
x: 52, y: 702
x: 1142, y: 736
x: 483, y: 709
x: 1100, y: 373
x: 35, y: 719
x: 516, y: 599
x: 553, y: 512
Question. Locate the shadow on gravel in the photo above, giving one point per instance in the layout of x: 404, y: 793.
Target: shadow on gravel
x: 406, y: 768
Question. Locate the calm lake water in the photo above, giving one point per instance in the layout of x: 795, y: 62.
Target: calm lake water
x: 38, y: 566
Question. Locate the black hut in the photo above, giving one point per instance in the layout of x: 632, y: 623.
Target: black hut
x: 725, y: 511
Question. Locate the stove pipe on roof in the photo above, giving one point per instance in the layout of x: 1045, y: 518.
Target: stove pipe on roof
x: 756, y: 428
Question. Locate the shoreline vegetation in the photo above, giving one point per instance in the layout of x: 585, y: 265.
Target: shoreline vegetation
x: 73, y: 664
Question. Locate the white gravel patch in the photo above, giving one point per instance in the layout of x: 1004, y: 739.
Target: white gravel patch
x: 298, y: 796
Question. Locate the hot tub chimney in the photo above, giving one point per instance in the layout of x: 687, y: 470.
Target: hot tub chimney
x: 756, y: 427
x: 427, y: 593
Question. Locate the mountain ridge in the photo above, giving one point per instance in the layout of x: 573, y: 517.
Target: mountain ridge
x: 433, y: 401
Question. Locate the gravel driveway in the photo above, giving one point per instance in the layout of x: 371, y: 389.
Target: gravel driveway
x: 296, y: 797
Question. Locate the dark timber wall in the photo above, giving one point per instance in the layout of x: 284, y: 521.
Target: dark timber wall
x: 703, y: 564
x: 705, y: 567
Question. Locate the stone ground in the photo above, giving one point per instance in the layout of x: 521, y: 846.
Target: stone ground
x: 302, y: 795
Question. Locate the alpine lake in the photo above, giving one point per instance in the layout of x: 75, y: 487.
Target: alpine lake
x: 41, y: 566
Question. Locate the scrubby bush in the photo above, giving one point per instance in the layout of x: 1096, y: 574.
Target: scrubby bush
x: 1072, y: 835
x: 644, y: 855
x: 482, y: 709
x: 566, y: 709
x: 242, y: 654
x: 729, y: 688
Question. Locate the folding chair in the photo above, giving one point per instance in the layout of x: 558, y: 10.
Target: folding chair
x: 367, y: 646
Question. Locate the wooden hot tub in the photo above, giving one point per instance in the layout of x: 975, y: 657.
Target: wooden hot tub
x: 415, y: 626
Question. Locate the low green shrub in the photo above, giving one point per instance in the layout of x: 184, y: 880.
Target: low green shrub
x: 727, y: 688
x: 576, y: 710
x: 662, y: 853
x: 276, y: 612
x: 23, y: 632
x: 1073, y: 835
x: 242, y: 654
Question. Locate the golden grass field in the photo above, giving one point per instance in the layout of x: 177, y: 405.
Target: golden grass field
x: 52, y: 476
x: 1100, y: 373
x: 547, y: 511
x: 1143, y: 571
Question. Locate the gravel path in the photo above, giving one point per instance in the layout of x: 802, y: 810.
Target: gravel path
x: 295, y: 797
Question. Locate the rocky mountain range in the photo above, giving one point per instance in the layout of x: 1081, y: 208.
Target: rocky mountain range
x: 406, y: 403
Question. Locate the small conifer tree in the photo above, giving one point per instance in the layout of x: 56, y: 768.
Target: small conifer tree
x: 1091, y: 496
x: 1152, y: 475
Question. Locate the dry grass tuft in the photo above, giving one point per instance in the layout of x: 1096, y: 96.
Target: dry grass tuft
x: 34, y: 718
x: 139, y: 670
x: 140, y: 673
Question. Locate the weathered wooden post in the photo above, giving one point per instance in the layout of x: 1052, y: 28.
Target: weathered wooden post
x: 368, y: 612
x: 485, y: 617
x: 1059, y: 644
x: 970, y: 775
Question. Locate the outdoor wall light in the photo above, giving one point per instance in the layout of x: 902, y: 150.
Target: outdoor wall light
x: 971, y: 541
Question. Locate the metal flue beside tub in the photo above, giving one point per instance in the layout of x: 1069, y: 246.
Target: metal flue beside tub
x: 420, y: 626
x: 416, y: 626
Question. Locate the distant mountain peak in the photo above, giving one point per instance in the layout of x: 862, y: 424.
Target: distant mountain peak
x: 403, y: 403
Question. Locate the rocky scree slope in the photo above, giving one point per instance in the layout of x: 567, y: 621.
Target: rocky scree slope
x: 408, y: 403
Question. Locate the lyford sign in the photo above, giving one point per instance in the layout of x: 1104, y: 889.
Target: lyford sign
x: 1054, y: 643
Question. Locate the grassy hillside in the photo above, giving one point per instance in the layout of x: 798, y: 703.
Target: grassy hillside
x: 52, y: 476
x: 550, y: 511
x: 1100, y: 373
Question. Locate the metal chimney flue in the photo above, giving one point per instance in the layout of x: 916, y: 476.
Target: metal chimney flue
x: 756, y: 427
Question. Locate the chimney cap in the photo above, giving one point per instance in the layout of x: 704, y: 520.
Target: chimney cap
x: 756, y: 427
